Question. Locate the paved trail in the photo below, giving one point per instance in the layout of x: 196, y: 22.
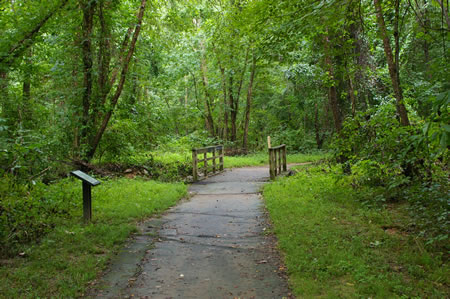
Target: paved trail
x: 211, y: 246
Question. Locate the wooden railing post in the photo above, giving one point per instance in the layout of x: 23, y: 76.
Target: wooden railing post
x: 194, y: 165
x: 214, y: 160
x: 271, y: 164
x: 205, y: 164
x: 274, y: 162
x: 277, y: 160
x: 221, y: 158
x: 217, y: 153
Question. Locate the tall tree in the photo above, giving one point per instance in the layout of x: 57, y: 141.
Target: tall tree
x: 125, y: 63
x: 393, y: 63
x: 249, y: 103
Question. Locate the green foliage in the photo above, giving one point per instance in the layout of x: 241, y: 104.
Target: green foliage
x: 381, y: 143
x: 295, y: 140
x: 393, y: 163
x: 430, y: 210
x: 335, y: 247
x: 29, y: 212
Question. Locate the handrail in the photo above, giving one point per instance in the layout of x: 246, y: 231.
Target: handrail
x: 277, y: 160
x: 205, y: 150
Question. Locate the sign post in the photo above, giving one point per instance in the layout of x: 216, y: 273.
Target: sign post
x: 88, y: 182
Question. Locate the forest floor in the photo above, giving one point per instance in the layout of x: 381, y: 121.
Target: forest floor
x: 210, y: 246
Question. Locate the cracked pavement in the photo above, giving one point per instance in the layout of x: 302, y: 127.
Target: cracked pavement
x: 211, y: 246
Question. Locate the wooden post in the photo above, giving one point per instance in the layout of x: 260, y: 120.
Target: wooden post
x: 279, y: 160
x: 274, y: 161
x: 271, y: 164
x: 87, y: 202
x: 214, y: 160
x: 205, y: 155
x: 221, y: 158
x: 268, y: 142
x: 194, y: 166
x: 284, y: 159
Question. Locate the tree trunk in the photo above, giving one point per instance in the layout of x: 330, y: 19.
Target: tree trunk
x: 444, y: 12
x: 392, y: 65
x: 225, y: 106
x: 88, y: 8
x: 332, y: 92
x: 426, y: 45
x: 233, y: 109
x: 26, y: 91
x: 351, y: 91
x: 319, y: 139
x: 209, y: 121
x: 123, y: 75
x: 4, y: 93
x: 234, y: 100
x: 249, y: 103
x: 103, y: 60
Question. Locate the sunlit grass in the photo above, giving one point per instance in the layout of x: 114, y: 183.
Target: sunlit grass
x: 336, y: 248
x: 262, y: 158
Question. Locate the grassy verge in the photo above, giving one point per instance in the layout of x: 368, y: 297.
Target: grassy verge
x: 72, y: 254
x: 334, y: 247
x: 262, y: 158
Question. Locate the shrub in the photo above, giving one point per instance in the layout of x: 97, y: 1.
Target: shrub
x: 28, y: 212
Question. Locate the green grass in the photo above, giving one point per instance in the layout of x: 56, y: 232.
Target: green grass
x: 72, y: 254
x: 334, y: 247
x: 262, y: 158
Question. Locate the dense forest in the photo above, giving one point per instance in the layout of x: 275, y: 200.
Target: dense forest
x: 114, y: 86
x: 101, y: 79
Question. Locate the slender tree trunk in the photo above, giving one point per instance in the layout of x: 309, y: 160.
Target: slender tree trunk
x: 444, y: 12
x: 235, y: 108
x: 392, y: 64
x: 121, y: 83
x: 332, y: 92
x: 185, y: 93
x: 88, y: 8
x: 319, y: 139
x: 352, y: 94
x: 4, y: 93
x: 209, y: 121
x: 249, y: 103
x: 26, y: 91
x: 225, y: 106
x: 233, y: 112
x: 194, y: 79
x: 103, y: 61
x: 426, y: 46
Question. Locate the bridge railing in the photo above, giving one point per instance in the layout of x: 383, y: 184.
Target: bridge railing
x: 201, y: 166
x: 277, y: 160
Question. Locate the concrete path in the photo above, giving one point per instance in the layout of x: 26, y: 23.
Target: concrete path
x: 211, y: 246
